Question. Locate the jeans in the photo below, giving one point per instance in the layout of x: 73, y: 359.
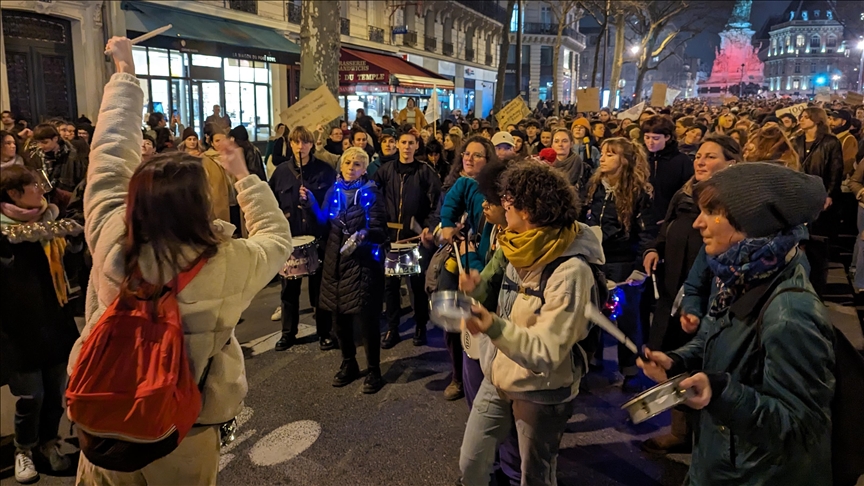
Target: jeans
x: 368, y: 321
x: 859, y: 251
x: 539, y: 429
x: 290, y: 297
x: 40, y: 404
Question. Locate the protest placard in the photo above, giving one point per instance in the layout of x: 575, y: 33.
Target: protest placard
x: 317, y: 108
x: 854, y: 98
x: 433, y: 109
x: 513, y: 113
x: 658, y: 95
x: 632, y: 113
x: 588, y: 99
x: 671, y: 94
x: 794, y: 110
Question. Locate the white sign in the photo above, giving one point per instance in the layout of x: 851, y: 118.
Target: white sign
x: 433, y: 109
x: 633, y: 113
x: 671, y: 94
x: 794, y: 110
x: 317, y: 108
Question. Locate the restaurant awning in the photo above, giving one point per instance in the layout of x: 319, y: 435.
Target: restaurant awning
x: 203, y: 34
x: 356, y: 67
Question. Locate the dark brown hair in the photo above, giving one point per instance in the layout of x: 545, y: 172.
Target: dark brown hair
x: 731, y: 148
x: 770, y: 143
x: 707, y: 196
x: 456, y: 168
x: 168, y: 208
x: 44, y: 131
x: 15, y: 178
x: 542, y: 191
x: 632, y: 182
x: 659, y: 125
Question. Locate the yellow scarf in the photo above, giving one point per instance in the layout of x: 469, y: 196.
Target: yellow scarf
x: 55, y: 248
x: 536, y: 247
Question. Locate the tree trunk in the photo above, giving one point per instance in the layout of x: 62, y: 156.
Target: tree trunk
x: 503, y: 58
x: 319, y: 40
x: 556, y: 56
x: 617, y: 57
x: 597, y: 53
x: 519, y: 49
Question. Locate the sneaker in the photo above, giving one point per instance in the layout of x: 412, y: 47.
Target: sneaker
x: 25, y: 470
x: 373, y: 381
x: 454, y: 391
x: 285, y: 342
x: 390, y: 339
x: 57, y: 461
x: 277, y: 314
x: 420, y: 335
x: 348, y: 372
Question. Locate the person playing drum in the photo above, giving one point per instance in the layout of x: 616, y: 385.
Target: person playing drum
x: 763, y: 357
x: 292, y: 183
x: 353, y: 270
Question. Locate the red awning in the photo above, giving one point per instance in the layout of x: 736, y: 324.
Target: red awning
x: 357, y: 67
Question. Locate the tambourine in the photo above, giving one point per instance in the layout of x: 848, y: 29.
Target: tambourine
x: 658, y: 399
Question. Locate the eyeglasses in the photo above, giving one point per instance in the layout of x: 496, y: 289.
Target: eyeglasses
x: 473, y: 156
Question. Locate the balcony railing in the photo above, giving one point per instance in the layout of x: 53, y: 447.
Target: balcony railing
x: 469, y: 54
x: 376, y: 34
x: 249, y: 6
x: 488, y: 59
x: 345, y: 26
x: 410, y: 38
x: 295, y: 13
x: 430, y: 44
x: 487, y: 8
x: 447, y: 48
x: 542, y: 28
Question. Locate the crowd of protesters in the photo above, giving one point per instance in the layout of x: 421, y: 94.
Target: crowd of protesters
x: 728, y: 205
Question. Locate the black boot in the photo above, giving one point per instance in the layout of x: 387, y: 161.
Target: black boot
x: 285, y: 342
x: 326, y: 343
x: 420, y: 335
x: 348, y: 372
x: 373, y: 381
x: 391, y: 338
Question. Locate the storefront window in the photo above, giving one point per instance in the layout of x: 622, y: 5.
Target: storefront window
x: 206, y: 61
x: 139, y: 56
x: 178, y: 64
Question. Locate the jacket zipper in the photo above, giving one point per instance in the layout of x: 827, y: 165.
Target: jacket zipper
x: 401, y: 199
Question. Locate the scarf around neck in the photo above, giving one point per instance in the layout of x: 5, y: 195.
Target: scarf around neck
x: 750, y: 262
x: 21, y: 215
x: 536, y: 247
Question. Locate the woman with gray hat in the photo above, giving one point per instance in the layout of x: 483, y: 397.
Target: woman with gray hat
x: 763, y: 357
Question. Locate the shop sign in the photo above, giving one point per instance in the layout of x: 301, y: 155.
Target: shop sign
x: 469, y: 73
x: 249, y: 56
x: 360, y: 71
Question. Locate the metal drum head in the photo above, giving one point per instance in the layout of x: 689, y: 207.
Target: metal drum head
x: 658, y: 399
x: 448, y: 308
x: 298, y: 241
x: 402, y: 259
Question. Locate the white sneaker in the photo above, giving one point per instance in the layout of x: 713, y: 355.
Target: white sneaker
x: 25, y: 470
x: 59, y: 462
x: 277, y: 314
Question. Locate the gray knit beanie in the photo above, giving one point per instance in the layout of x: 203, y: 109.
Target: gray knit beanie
x: 765, y: 199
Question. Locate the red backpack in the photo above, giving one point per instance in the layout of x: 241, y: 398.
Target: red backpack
x: 132, y: 392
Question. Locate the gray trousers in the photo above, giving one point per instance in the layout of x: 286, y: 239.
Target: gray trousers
x: 539, y: 428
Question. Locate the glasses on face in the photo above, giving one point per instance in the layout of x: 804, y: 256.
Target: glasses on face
x: 473, y: 156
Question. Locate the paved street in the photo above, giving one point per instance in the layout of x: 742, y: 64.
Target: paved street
x: 298, y: 430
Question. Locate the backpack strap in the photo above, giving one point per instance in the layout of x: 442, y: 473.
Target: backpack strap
x: 509, y: 285
x: 183, y: 278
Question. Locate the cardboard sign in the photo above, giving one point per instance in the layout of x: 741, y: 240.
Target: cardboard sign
x: 854, y: 98
x: 632, y: 113
x: 588, y: 99
x: 671, y: 94
x: 658, y: 95
x: 317, y: 108
x: 794, y: 110
x: 729, y: 99
x: 513, y: 113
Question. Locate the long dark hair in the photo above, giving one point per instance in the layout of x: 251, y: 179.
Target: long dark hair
x: 456, y: 166
x: 168, y: 208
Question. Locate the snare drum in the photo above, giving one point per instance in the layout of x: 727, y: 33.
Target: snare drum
x: 658, y: 399
x: 304, y: 260
x: 402, y: 259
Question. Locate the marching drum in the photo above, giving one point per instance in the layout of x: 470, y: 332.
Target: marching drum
x: 658, y: 399
x: 402, y: 259
x: 304, y: 260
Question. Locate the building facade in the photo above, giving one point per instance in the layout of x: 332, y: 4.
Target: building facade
x: 808, y: 52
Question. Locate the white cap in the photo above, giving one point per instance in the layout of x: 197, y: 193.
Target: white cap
x: 503, y: 137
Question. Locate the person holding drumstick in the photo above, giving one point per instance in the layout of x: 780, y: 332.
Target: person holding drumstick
x: 763, y: 359
x: 292, y: 183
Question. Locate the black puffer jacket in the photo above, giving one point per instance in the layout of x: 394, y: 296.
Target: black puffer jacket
x: 620, y: 245
x: 409, y: 191
x: 350, y: 284
x: 670, y: 170
x: 825, y: 160
x: 318, y: 177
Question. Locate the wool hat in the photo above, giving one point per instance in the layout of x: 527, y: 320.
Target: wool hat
x: 581, y: 122
x: 239, y: 133
x: 765, y: 199
x: 189, y: 132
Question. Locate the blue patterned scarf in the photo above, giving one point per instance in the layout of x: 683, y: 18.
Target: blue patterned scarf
x: 749, y: 263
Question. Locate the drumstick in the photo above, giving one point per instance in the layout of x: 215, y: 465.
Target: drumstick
x: 654, y: 281
x: 406, y: 240
x: 594, y: 315
x: 148, y: 35
x: 458, y: 258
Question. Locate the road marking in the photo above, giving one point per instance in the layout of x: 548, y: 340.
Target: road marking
x: 268, y: 342
x: 285, y: 443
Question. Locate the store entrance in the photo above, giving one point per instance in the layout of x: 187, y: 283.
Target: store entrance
x: 205, y: 94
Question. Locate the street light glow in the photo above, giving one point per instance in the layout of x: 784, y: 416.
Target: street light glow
x: 636, y: 49
x: 820, y: 80
x: 861, y: 45
x: 836, y: 77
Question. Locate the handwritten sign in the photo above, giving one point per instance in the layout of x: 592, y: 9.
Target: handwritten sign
x: 658, y: 95
x: 854, y: 98
x: 513, y: 113
x: 588, y: 99
x: 317, y: 108
x: 794, y: 110
x: 632, y: 113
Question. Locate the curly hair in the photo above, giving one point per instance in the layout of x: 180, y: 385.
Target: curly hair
x: 632, y: 181
x: 542, y: 191
x: 770, y: 143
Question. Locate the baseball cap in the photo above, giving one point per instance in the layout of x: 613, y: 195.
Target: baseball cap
x: 503, y: 137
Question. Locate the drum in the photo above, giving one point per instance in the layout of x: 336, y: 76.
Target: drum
x: 402, y: 259
x: 658, y: 399
x: 304, y: 260
x: 447, y: 308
